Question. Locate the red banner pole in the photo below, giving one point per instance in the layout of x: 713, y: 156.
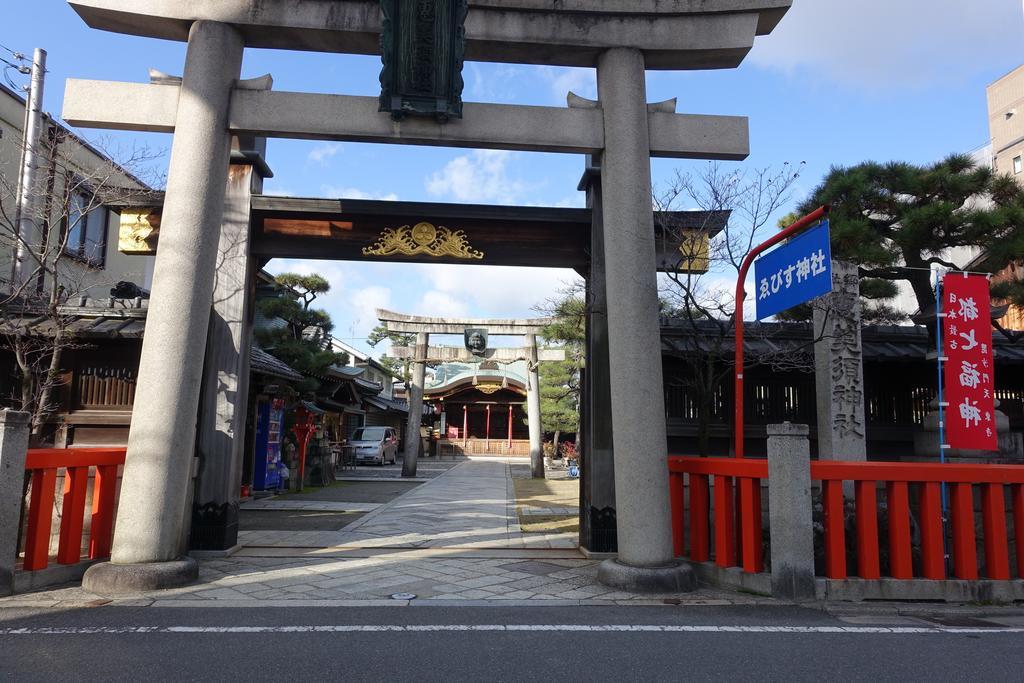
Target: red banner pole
x: 794, y: 229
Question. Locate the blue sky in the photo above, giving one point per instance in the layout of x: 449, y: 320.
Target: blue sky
x: 839, y: 82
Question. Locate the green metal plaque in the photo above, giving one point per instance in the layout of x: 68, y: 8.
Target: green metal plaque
x: 423, y: 43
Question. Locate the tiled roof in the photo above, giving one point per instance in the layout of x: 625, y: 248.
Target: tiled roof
x: 262, y: 362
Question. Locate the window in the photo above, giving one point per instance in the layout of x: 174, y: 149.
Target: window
x: 86, y: 230
x: 1016, y: 165
x: 370, y: 434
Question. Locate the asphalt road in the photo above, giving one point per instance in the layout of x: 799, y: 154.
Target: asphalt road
x: 494, y: 644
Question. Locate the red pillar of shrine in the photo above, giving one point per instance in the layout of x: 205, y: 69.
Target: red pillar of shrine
x: 465, y: 427
x: 510, y: 430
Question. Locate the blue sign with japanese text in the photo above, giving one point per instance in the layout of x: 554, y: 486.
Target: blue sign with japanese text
x: 798, y: 271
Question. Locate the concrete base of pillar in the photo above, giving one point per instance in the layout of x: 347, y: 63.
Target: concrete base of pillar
x: 677, y: 577
x: 120, y: 579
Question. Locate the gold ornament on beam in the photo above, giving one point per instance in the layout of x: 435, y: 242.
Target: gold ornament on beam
x: 138, y: 231
x: 488, y: 388
x: 423, y: 239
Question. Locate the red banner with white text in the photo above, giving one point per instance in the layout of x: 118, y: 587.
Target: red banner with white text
x: 969, y: 376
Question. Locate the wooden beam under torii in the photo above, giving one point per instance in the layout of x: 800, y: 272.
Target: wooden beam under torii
x: 346, y: 229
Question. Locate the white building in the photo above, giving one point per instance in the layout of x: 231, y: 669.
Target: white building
x: 79, y: 189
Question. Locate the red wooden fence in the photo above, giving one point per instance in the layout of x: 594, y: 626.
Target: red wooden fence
x: 44, y: 464
x: 737, y: 515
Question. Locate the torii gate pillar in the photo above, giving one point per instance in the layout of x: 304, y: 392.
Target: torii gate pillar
x: 147, y: 551
x: 646, y: 560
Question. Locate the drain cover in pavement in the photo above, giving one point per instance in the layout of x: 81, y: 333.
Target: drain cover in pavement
x: 403, y: 596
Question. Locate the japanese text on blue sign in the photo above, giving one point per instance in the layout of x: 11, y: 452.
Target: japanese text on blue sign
x: 796, y: 272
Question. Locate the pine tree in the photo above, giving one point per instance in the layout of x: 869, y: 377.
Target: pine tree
x: 304, y: 342
x: 897, y: 219
x: 560, y: 381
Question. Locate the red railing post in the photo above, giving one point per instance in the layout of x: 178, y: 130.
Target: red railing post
x: 40, y: 519
x: 76, y: 482
x: 868, y: 565
x: 750, y: 512
x: 793, y: 230
x: 103, y: 501
x: 965, y: 554
x: 835, y: 529
x: 1018, y: 526
x: 676, y: 498
x: 993, y: 506
x: 900, y: 562
x: 725, y: 524
x: 933, y: 542
x: 700, y: 498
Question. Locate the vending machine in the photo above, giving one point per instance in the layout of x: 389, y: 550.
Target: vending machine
x: 267, y: 462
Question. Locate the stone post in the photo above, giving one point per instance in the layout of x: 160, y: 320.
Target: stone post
x: 533, y: 409
x: 415, y: 392
x: 221, y: 436
x: 161, y: 442
x: 13, y: 449
x: 597, y: 476
x: 646, y: 561
x: 839, y: 369
x: 789, y: 511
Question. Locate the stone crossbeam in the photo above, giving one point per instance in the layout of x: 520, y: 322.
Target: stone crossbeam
x: 681, y: 34
x: 409, y: 324
x: 146, y: 107
x: 458, y: 354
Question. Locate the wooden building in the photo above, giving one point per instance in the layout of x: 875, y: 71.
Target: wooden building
x: 900, y: 384
x: 480, y: 409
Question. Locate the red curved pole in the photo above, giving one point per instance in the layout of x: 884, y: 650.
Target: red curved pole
x: 798, y: 227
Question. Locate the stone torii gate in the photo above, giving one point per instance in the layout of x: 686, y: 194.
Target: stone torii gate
x: 622, y: 40
x: 423, y: 353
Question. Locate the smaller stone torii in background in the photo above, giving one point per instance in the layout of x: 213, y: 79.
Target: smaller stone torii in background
x: 476, y: 331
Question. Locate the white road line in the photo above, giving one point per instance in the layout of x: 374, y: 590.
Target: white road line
x: 443, y: 628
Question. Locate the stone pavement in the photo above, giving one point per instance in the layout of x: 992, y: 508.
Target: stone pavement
x: 472, y: 505
x: 315, y: 505
x: 433, y: 576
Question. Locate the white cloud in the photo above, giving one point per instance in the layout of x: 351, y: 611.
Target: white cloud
x: 883, y: 44
x: 562, y: 79
x: 492, y: 82
x: 364, y: 303
x: 499, y: 291
x: 356, y: 193
x: 442, y: 305
x: 481, y: 176
x: 321, y: 154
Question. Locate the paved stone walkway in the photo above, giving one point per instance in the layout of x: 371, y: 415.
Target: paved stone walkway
x: 433, y: 576
x: 470, y: 506
x: 312, y: 505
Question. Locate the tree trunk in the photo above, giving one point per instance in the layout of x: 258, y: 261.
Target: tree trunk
x: 554, y: 453
x: 46, y: 390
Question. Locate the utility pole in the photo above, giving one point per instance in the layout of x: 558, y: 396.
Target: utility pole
x: 28, y: 196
